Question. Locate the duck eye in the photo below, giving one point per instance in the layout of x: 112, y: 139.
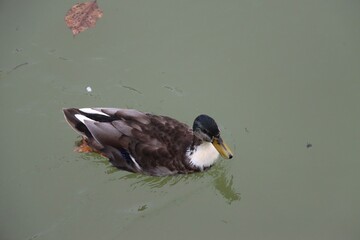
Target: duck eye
x: 205, y: 130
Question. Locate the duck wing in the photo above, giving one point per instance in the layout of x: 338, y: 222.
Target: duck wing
x: 133, y: 140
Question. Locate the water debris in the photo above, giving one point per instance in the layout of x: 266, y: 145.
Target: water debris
x: 142, y: 208
x: 132, y: 89
x: 175, y: 90
x: 247, y: 130
x: 18, y: 66
x: 88, y: 89
x: 53, y: 52
x: 309, y: 145
x: 81, y: 16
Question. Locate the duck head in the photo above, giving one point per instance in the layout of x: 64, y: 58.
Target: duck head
x: 207, y: 130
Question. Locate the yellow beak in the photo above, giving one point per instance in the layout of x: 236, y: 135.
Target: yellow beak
x: 222, y: 148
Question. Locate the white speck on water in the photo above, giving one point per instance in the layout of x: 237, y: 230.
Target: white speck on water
x: 88, y: 89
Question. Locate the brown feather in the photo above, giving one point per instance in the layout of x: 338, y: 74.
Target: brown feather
x: 157, y: 143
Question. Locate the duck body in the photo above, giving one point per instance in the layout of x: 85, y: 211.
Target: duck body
x: 145, y: 143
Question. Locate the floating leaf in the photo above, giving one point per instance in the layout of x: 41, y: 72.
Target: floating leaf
x: 81, y: 16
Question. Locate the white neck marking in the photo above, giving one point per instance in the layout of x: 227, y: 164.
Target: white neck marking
x: 203, y: 156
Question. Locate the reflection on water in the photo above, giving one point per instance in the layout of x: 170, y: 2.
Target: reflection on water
x: 219, y: 179
x: 225, y: 186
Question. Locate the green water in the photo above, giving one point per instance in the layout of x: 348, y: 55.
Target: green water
x: 282, y: 79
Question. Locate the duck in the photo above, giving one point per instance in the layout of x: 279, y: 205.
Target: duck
x: 146, y: 143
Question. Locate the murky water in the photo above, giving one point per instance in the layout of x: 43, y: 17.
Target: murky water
x: 282, y: 79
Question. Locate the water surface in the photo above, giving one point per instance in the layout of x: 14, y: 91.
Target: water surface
x: 281, y: 78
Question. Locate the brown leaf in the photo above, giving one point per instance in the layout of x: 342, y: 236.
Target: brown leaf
x: 81, y: 16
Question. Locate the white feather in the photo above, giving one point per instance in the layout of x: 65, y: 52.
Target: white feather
x: 92, y: 111
x: 204, y: 155
x: 82, y: 118
x: 88, y: 89
x: 136, y: 164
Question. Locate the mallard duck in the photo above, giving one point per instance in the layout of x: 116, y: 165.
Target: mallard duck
x: 149, y: 144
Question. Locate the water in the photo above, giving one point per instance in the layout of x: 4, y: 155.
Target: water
x: 281, y: 78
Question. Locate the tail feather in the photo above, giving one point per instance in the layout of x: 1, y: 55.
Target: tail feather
x: 75, y: 123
